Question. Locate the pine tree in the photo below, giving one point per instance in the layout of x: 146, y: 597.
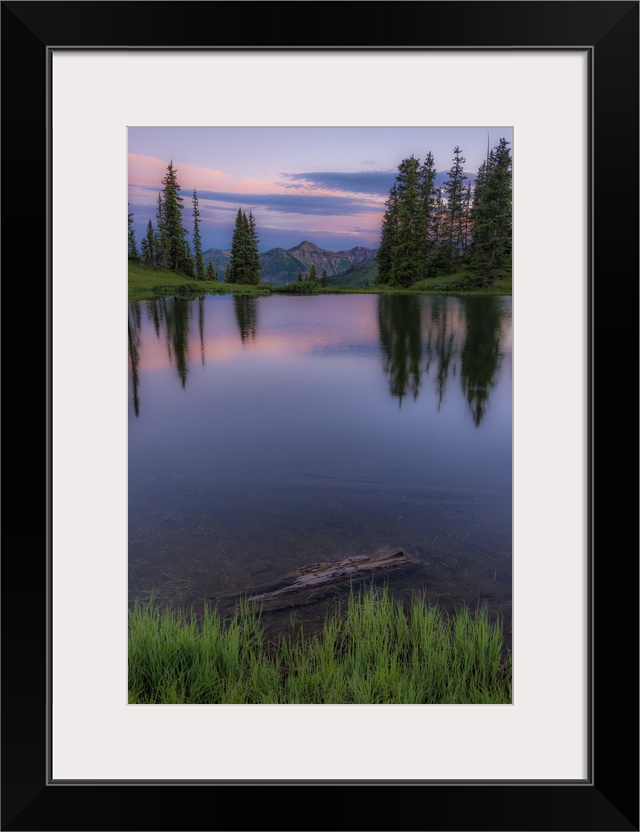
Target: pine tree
x: 254, y: 264
x: 197, y: 242
x: 438, y: 219
x: 453, y: 242
x: 467, y: 221
x: 211, y: 273
x: 323, y: 281
x: 174, y: 231
x: 492, y: 211
x: 388, y: 234
x: 161, y: 237
x: 133, y: 249
x: 407, y: 255
x: 299, y: 277
x: 313, y: 274
x: 429, y: 205
x: 149, y: 246
x: 244, y: 266
x: 188, y: 267
x: 235, y: 269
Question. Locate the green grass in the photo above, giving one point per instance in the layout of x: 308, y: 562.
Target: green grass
x: 153, y: 282
x: 458, y: 284
x: 373, y: 652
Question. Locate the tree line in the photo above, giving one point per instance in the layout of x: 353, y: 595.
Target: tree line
x: 312, y: 277
x: 166, y: 244
x: 429, y: 231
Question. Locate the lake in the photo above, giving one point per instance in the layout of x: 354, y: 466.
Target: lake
x: 267, y: 433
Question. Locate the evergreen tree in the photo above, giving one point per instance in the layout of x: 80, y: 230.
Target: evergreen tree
x: 492, y: 211
x: 438, y: 219
x: 197, y: 242
x: 244, y: 266
x: 428, y: 230
x: 162, y: 259
x: 439, y: 260
x: 467, y: 221
x: 133, y: 249
x: 299, y: 277
x: 453, y: 242
x: 388, y: 234
x: 313, y: 274
x: 323, y: 281
x: 235, y: 269
x: 188, y: 267
x: 254, y: 264
x: 149, y: 246
x: 407, y: 254
x: 174, y: 231
x: 429, y: 206
x: 211, y: 273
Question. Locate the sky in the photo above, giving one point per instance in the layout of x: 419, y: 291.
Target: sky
x: 327, y: 185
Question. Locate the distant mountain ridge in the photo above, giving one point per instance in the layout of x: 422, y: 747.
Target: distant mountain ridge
x: 220, y: 258
x: 281, y: 265
x: 360, y: 274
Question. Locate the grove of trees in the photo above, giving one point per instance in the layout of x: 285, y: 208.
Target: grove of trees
x: 166, y: 245
x: 429, y: 231
x: 244, y: 266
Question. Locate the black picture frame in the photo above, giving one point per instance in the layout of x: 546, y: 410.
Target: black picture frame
x: 608, y: 798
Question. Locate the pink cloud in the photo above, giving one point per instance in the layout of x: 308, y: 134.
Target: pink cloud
x: 149, y: 171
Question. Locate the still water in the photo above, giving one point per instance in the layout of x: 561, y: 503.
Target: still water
x: 272, y: 432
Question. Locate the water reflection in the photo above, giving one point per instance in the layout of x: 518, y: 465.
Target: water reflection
x: 246, y: 309
x: 177, y: 314
x: 135, y: 318
x: 439, y: 337
x: 420, y: 338
x: 441, y: 342
x: 481, y: 354
x: 171, y: 319
x: 201, y: 328
x: 401, y: 342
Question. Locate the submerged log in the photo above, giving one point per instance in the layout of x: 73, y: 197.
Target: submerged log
x: 306, y: 584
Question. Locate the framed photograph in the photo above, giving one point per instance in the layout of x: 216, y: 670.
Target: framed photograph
x: 80, y: 78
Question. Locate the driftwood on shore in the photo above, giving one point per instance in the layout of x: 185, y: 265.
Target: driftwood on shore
x: 304, y: 585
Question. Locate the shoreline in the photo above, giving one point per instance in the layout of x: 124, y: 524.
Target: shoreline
x: 374, y: 650
x: 145, y: 282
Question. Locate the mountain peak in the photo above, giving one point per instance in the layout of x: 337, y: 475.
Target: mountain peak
x: 307, y: 246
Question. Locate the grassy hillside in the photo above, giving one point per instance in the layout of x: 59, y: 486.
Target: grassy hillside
x: 155, y: 281
x: 356, y: 275
x: 280, y: 266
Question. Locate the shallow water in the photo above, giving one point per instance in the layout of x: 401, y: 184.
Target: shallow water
x: 272, y: 432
